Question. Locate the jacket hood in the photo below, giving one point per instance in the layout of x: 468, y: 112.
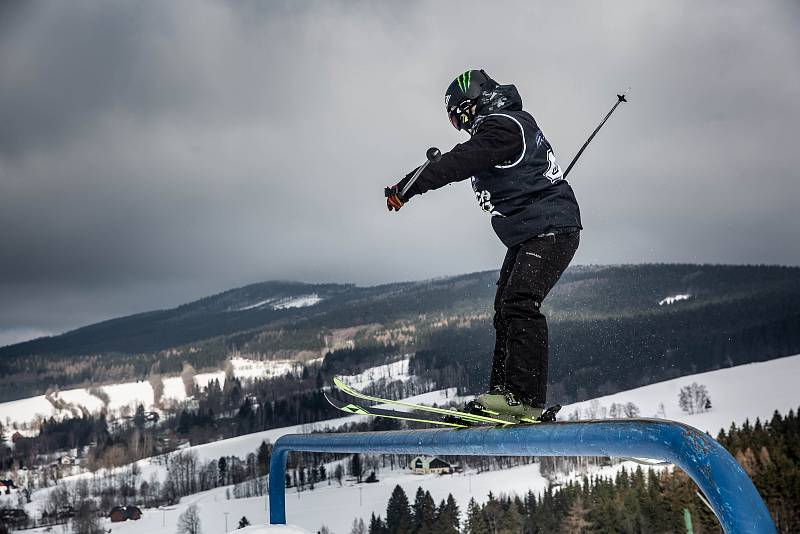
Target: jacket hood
x: 500, y: 98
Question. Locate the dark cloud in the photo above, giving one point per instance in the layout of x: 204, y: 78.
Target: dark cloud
x: 152, y: 152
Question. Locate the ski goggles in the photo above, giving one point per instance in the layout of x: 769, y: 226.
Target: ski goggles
x: 460, y: 114
x: 453, y: 114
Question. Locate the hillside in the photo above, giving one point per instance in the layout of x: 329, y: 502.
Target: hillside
x: 770, y: 387
x: 665, y: 319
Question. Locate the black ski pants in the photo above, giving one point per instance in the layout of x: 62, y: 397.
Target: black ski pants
x: 529, y: 272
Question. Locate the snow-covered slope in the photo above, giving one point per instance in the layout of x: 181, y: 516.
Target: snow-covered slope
x: 738, y: 393
x: 303, y: 301
x: 673, y: 299
x: 391, y: 371
x: 130, y: 394
x: 300, y: 301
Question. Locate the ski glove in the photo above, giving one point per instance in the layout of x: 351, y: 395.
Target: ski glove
x: 394, y: 200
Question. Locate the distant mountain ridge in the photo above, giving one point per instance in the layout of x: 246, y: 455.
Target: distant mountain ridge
x: 205, y: 318
x: 616, y: 313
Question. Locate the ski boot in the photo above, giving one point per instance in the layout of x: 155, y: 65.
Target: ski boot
x: 506, y: 405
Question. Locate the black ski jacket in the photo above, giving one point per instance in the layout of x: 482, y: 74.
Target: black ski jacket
x: 514, y: 173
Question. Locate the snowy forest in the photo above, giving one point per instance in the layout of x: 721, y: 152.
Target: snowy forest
x: 631, y: 502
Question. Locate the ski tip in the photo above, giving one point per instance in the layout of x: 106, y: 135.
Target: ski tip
x: 330, y: 401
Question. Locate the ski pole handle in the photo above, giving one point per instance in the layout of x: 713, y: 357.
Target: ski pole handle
x: 433, y: 155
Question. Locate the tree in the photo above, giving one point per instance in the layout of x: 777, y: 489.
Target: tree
x: 356, y: 467
x: 243, y: 522
x: 187, y: 376
x: 446, y: 517
x: 189, y: 521
x: 338, y: 474
x: 139, y: 418
x: 85, y: 520
x: 398, y: 513
x: 263, y: 456
x: 358, y: 526
x: 694, y: 398
x: 376, y: 525
x: 222, y: 467
x: 476, y: 522
x: 322, y: 473
x: 575, y: 520
x: 424, y: 510
x: 631, y: 410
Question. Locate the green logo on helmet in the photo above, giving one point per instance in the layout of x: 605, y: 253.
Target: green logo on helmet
x: 464, y: 80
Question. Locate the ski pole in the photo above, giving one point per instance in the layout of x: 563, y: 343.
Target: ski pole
x: 620, y: 99
x: 433, y: 155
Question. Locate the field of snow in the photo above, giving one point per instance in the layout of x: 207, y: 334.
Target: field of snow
x: 673, y: 299
x: 302, y: 301
x: 129, y: 394
x: 738, y: 393
x: 769, y: 386
x: 297, y: 302
x: 390, y: 372
x: 334, y: 506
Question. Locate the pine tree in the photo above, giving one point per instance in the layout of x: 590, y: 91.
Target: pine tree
x: 263, y: 456
x: 575, y: 520
x: 222, y: 468
x: 475, y: 522
x: 356, y: 467
x: 493, y: 514
x: 424, y: 512
x: 376, y: 525
x: 447, y: 517
x: 243, y: 522
x: 398, y: 513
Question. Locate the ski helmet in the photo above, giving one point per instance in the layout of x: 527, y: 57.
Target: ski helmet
x: 462, y: 94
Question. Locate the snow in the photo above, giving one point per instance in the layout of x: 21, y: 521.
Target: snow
x: 674, y: 298
x: 269, y: 529
x: 130, y: 394
x: 737, y: 393
x: 301, y: 301
x: 390, y: 372
x: 256, y: 305
x: 297, y: 302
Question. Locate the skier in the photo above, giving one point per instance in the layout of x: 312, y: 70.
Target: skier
x: 534, y: 213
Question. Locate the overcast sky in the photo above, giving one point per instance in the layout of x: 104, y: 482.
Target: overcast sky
x: 156, y: 152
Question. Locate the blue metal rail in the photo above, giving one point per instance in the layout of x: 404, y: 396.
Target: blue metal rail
x: 729, y: 490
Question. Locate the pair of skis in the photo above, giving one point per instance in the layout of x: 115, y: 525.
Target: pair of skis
x: 423, y: 413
